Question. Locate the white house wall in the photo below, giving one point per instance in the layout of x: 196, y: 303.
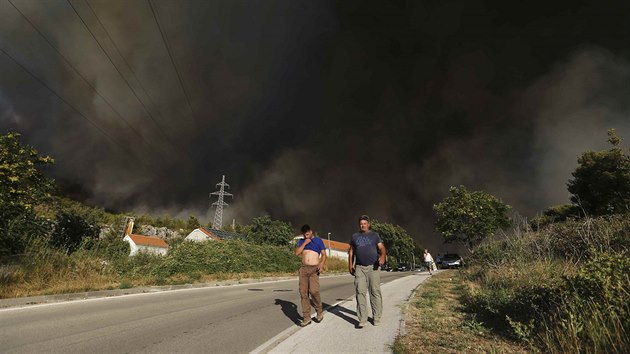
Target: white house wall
x: 197, y: 236
x: 338, y: 254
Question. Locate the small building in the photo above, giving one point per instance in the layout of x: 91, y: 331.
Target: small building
x: 148, y: 244
x: 206, y: 234
x: 333, y: 248
x: 337, y: 249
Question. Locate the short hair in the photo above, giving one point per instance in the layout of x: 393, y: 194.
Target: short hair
x: 364, y: 217
x: 305, y: 228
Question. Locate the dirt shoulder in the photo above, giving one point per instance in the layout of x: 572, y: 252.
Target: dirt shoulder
x: 436, y: 323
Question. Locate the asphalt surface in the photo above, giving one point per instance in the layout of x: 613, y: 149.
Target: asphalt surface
x: 228, y: 319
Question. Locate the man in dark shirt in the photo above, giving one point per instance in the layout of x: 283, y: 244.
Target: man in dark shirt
x: 366, y: 255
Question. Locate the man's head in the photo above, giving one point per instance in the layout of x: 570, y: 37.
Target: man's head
x: 364, y: 223
x: 306, y: 231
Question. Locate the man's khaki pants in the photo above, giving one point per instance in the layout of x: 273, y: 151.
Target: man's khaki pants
x: 309, y: 283
x: 367, y: 279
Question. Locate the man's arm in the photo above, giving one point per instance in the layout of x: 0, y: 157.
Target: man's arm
x: 351, y: 260
x: 322, y: 262
x: 383, y: 253
x: 300, y: 248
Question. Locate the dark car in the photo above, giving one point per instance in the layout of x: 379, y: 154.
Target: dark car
x: 402, y: 267
x: 452, y: 260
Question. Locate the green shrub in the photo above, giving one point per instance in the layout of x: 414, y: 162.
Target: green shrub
x: 226, y: 256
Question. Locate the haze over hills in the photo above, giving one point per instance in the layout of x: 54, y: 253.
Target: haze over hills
x: 316, y: 112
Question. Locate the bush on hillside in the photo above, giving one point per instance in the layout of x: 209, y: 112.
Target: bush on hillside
x: 226, y: 256
x: 538, y: 282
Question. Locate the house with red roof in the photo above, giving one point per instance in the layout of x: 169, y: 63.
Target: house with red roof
x: 333, y: 248
x: 206, y: 234
x: 202, y: 234
x: 148, y: 244
x: 141, y: 243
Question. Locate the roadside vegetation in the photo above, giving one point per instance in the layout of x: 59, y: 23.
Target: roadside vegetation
x: 436, y: 322
x: 557, y: 284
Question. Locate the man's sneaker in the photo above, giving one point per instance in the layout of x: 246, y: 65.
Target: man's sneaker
x: 361, y: 324
x: 305, y: 323
x: 320, y: 317
x: 377, y: 322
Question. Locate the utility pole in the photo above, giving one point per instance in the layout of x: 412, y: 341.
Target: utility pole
x: 217, y: 223
x: 329, y: 244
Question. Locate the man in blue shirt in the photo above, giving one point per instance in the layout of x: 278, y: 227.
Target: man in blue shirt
x: 313, y: 254
x: 366, y: 256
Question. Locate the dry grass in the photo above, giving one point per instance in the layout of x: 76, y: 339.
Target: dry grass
x: 336, y: 265
x: 435, y: 322
x: 88, y: 275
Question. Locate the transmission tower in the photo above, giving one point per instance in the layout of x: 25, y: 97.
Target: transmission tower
x: 218, y: 213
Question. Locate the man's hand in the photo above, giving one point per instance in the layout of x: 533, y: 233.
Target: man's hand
x: 320, y: 269
x: 306, y: 241
x: 381, y: 261
x: 351, y: 270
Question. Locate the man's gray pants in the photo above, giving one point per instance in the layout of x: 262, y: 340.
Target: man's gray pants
x: 367, y: 279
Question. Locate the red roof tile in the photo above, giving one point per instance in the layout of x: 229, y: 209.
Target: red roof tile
x: 148, y: 241
x: 336, y: 245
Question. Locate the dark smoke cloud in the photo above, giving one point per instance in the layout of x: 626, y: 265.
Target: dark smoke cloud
x: 317, y: 112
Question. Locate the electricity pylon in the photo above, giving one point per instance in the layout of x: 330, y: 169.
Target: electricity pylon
x: 217, y: 223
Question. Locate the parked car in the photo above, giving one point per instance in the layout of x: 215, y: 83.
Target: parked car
x: 402, y: 267
x: 452, y: 260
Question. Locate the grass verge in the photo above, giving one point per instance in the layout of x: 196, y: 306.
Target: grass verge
x: 435, y: 322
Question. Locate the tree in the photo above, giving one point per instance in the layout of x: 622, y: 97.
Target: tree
x: 397, y: 241
x: 22, y: 187
x: 22, y: 184
x: 264, y: 230
x: 74, y: 224
x: 192, y: 223
x: 601, y: 182
x: 469, y: 217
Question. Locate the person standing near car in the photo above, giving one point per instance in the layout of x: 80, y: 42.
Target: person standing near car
x: 313, y: 254
x: 365, y: 257
x: 428, y: 261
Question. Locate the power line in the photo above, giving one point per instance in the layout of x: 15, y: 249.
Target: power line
x: 73, y: 107
x: 111, y: 60
x: 80, y: 75
x: 133, y: 73
x: 170, y: 55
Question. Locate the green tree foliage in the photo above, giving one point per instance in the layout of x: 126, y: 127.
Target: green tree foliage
x: 601, y: 182
x: 75, y: 224
x: 265, y: 231
x: 469, y: 217
x: 22, y: 184
x: 556, y: 213
x: 193, y: 223
x: 397, y: 241
x: 22, y: 187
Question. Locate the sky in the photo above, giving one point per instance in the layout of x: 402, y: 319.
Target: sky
x: 315, y: 111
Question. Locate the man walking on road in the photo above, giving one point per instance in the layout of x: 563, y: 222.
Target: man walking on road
x: 313, y: 261
x: 364, y: 262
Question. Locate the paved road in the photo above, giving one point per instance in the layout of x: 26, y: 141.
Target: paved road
x: 220, y: 319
